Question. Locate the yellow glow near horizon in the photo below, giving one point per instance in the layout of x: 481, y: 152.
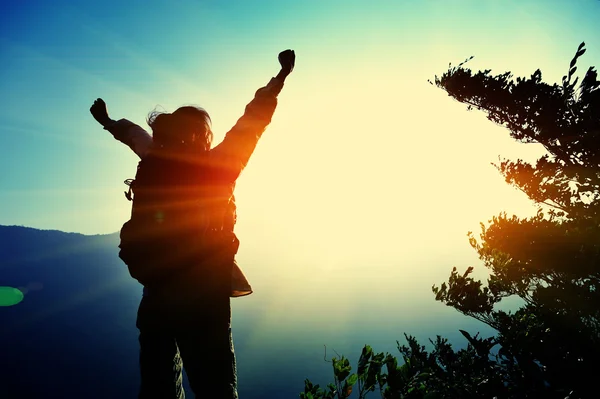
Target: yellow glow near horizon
x: 381, y: 177
x: 343, y: 196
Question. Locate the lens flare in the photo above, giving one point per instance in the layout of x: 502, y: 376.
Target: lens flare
x: 10, y: 296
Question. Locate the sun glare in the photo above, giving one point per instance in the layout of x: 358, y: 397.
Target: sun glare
x: 376, y: 193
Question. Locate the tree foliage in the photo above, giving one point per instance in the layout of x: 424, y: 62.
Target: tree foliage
x: 551, y: 260
x: 441, y: 373
x: 549, y: 346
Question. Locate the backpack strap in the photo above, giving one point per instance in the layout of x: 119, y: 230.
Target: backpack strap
x: 128, y: 194
x: 129, y: 183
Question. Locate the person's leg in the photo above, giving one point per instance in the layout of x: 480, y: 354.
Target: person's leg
x: 160, y: 360
x: 207, y: 350
x: 160, y: 368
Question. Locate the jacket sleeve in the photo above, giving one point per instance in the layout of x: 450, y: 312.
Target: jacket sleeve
x: 233, y: 153
x: 132, y: 135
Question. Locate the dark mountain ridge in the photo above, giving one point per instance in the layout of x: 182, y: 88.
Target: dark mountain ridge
x: 73, y: 335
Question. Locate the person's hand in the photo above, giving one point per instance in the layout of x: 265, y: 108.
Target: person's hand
x: 99, y: 112
x: 287, y: 59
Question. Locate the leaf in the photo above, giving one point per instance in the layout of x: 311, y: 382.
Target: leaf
x: 352, y: 379
x: 365, y: 356
x: 346, y: 390
x: 423, y: 376
x: 467, y: 336
x: 572, y: 71
x: 344, y: 373
x: 575, y: 82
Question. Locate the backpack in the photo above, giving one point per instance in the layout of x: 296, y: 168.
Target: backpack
x: 182, y: 215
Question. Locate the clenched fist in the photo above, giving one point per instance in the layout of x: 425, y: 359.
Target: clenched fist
x: 287, y: 59
x: 99, y: 112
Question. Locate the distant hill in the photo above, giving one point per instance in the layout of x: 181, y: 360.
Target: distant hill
x: 74, y: 333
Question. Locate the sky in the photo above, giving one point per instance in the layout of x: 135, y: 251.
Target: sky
x: 368, y: 178
x: 359, y: 140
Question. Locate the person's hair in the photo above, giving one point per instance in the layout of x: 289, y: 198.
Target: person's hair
x: 166, y: 127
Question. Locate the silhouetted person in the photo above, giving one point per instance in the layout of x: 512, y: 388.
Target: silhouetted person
x: 185, y: 248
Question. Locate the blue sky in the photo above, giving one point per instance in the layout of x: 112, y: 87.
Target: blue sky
x: 362, y: 152
x: 355, y: 58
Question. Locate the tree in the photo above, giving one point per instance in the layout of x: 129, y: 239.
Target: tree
x: 548, y: 347
x: 441, y: 373
x: 551, y: 260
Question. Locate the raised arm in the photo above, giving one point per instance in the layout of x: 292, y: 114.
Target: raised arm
x: 239, y: 143
x: 123, y: 130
